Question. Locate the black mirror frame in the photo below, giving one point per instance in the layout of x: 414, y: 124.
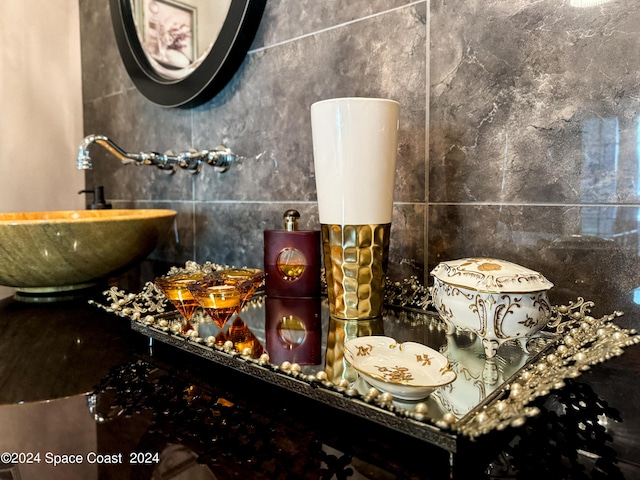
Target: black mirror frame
x: 210, y: 77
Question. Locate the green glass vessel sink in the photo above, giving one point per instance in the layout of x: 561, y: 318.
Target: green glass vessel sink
x: 63, y: 251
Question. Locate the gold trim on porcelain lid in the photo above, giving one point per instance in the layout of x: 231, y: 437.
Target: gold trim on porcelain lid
x: 490, y: 275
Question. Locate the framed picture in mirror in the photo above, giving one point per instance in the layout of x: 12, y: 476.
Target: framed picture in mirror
x: 168, y: 32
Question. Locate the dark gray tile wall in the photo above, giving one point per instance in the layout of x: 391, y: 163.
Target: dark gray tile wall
x: 530, y: 154
x: 533, y: 151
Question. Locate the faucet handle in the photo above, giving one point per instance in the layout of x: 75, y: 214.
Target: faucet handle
x: 221, y: 158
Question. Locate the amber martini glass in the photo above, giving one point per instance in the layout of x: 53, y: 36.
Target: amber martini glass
x: 247, y: 280
x: 224, y: 293
x: 175, y: 288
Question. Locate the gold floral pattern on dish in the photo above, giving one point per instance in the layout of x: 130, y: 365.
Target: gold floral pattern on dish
x: 409, y: 370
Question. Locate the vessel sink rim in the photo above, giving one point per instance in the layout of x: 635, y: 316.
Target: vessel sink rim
x: 83, y: 216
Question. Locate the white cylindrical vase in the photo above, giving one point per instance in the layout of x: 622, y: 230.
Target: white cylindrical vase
x: 355, y: 142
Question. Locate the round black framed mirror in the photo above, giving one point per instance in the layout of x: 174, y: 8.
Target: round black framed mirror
x: 170, y: 51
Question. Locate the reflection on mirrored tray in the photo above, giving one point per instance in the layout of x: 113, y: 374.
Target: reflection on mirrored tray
x: 299, y: 334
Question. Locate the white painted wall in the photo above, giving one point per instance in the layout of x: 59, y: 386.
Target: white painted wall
x: 40, y: 106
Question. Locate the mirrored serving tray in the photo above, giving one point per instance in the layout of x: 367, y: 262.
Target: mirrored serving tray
x: 294, y: 344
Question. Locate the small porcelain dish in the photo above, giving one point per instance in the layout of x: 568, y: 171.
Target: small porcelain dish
x: 409, y: 371
x: 495, y: 299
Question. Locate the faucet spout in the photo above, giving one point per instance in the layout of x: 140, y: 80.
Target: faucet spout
x: 220, y: 157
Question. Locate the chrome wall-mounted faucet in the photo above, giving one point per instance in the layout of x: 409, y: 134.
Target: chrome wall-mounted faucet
x: 220, y: 158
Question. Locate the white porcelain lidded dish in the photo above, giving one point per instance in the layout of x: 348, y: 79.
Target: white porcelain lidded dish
x: 490, y: 275
x: 496, y: 299
x: 409, y: 371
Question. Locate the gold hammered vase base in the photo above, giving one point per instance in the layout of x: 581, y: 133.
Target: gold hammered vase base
x: 355, y: 262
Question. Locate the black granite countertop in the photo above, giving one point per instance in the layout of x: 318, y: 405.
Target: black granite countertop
x: 79, y: 387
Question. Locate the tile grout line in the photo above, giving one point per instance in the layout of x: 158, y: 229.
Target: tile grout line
x: 427, y: 109
x: 426, y: 203
x: 333, y: 27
